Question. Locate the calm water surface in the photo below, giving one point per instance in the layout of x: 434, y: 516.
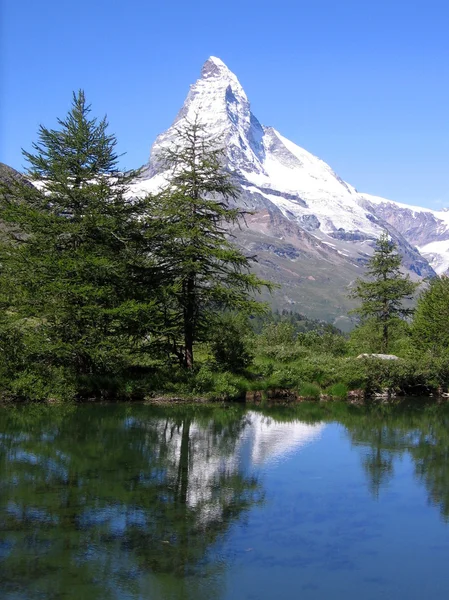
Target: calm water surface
x: 136, y: 502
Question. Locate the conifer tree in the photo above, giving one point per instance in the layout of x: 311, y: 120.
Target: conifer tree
x: 430, y: 327
x: 383, y: 294
x: 70, y: 282
x: 193, y: 216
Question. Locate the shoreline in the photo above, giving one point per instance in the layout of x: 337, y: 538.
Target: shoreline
x: 271, y: 397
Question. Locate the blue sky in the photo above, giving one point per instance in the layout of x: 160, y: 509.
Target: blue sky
x: 362, y: 84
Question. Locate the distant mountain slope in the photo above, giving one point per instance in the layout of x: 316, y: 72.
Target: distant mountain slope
x: 8, y: 175
x: 427, y: 229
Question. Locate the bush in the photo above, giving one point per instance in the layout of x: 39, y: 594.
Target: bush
x: 324, y: 342
x: 218, y: 385
x: 229, y: 343
x: 277, y: 334
x: 367, y: 338
x: 338, y: 390
x: 309, y: 390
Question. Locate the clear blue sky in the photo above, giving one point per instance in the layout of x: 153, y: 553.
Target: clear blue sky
x: 363, y: 84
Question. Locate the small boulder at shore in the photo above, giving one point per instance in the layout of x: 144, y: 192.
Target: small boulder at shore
x: 381, y: 356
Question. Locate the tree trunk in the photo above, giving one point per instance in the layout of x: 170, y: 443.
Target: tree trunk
x: 385, y: 338
x: 189, y: 319
x: 182, y: 485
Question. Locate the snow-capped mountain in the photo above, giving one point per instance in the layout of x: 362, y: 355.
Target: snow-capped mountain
x: 310, y: 229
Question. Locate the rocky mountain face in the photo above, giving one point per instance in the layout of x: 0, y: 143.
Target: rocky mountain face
x: 427, y: 229
x: 312, y: 232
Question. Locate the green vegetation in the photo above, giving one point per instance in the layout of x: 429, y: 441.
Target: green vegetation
x: 430, y: 326
x: 206, y: 271
x: 107, y: 296
x: 383, y: 294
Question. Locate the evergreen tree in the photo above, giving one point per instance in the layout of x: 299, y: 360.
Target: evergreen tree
x: 192, y: 216
x: 383, y: 294
x: 430, y: 329
x: 70, y: 282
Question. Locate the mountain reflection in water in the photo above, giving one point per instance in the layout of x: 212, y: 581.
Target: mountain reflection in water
x: 143, y: 502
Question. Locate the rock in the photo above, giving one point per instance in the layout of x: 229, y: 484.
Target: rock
x: 381, y: 356
x: 356, y: 396
x: 253, y: 397
x: 383, y: 395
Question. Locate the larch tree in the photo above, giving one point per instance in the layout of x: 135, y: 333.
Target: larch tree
x: 383, y: 293
x: 193, y: 215
x: 430, y: 327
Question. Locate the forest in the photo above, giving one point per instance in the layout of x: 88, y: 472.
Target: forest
x: 109, y: 296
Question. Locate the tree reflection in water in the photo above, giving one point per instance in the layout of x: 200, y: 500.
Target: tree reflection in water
x: 420, y: 432
x: 92, y: 500
x: 125, y: 502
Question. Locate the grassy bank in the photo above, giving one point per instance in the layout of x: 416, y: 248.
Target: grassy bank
x: 274, y: 362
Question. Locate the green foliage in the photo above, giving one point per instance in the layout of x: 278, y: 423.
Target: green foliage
x: 309, y: 390
x: 192, y: 216
x: 430, y: 329
x: 278, y: 334
x: 325, y: 342
x: 338, y: 391
x: 279, y: 342
x: 382, y: 295
x: 229, y: 342
x: 299, y: 322
x: 70, y: 285
x: 218, y: 385
x: 368, y: 337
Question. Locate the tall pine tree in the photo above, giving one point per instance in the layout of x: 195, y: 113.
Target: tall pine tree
x: 382, y: 295
x: 430, y: 329
x: 70, y: 281
x: 193, y: 217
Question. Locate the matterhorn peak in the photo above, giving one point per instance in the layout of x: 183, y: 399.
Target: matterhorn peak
x: 215, y: 67
x: 300, y: 207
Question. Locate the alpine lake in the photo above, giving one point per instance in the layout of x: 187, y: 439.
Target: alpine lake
x: 131, y: 501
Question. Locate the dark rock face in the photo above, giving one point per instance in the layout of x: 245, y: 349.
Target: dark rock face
x: 350, y: 236
x: 407, y: 229
x: 8, y: 176
x: 309, y: 222
x: 419, y: 227
x: 287, y: 251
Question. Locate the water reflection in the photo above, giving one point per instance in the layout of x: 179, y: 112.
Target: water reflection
x: 422, y: 435
x: 127, y: 492
x: 137, y: 502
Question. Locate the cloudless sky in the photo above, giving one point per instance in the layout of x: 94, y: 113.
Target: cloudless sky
x: 363, y: 84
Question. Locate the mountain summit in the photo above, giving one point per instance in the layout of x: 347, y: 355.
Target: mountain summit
x: 309, y: 225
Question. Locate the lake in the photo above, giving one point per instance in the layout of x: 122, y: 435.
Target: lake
x: 139, y: 502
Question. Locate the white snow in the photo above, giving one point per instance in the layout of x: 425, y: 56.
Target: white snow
x: 437, y: 253
x: 442, y: 215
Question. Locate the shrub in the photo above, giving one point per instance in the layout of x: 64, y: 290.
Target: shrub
x: 338, y: 390
x: 229, y: 343
x: 218, y: 385
x: 278, y: 334
x: 309, y: 390
x: 324, y: 342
